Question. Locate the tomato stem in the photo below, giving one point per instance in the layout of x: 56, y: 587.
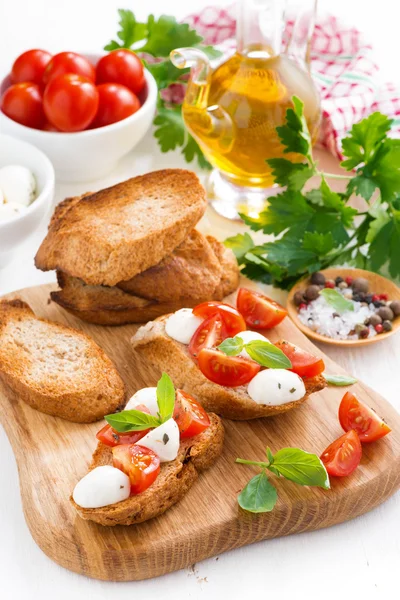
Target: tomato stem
x: 263, y: 465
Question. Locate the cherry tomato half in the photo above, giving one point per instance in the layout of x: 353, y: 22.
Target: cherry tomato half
x: 30, y: 66
x: 70, y: 102
x: 354, y: 414
x: 121, y: 66
x: 68, y: 62
x: 141, y: 464
x: 233, y: 320
x: 259, y: 312
x: 303, y: 363
x: 210, y: 333
x: 230, y: 371
x: 110, y: 437
x: 189, y: 415
x: 22, y: 102
x: 343, y: 456
x: 116, y: 102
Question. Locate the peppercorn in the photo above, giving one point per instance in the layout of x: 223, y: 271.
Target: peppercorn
x: 375, y: 297
x: 387, y: 326
x: 386, y: 313
x: 379, y: 328
x: 298, y: 298
x: 348, y: 280
x: 329, y: 283
x: 342, y: 285
x: 378, y: 303
x: 375, y: 320
x: 359, y: 328
x: 312, y: 292
x: 360, y: 285
x: 383, y: 297
x: 395, y: 307
x: 302, y: 306
x: 356, y: 298
x: 362, y: 295
x: 318, y: 278
x: 364, y: 333
x: 368, y: 298
x: 338, y: 280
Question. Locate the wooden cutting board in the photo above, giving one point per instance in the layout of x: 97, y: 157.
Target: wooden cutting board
x: 52, y: 455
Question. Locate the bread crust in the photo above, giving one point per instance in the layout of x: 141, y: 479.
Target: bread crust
x: 54, y: 368
x: 116, y: 233
x: 175, y: 479
x: 159, y: 349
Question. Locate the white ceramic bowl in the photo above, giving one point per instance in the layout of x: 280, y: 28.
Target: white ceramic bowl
x: 16, y: 230
x: 91, y: 154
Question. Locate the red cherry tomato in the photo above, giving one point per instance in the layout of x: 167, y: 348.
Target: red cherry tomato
x: 121, y: 66
x: 354, y: 414
x: 22, y: 103
x: 210, y: 333
x: 70, y: 102
x: 141, y: 464
x: 190, y: 416
x: 303, y: 363
x: 116, y: 102
x: 30, y: 66
x: 343, y: 456
x: 233, y: 320
x: 258, y: 311
x: 68, y: 62
x: 110, y: 437
x: 49, y: 127
x: 230, y: 371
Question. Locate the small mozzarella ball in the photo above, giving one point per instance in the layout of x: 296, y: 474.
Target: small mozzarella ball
x: 102, y: 486
x: 250, y: 336
x: 18, y: 184
x: 182, y: 324
x: 163, y: 440
x: 147, y: 397
x: 276, y: 386
x: 10, y: 210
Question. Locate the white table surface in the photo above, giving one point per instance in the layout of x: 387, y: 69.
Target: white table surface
x: 358, y: 557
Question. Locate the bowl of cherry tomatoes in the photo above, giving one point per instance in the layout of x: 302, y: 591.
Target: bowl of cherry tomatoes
x: 85, y: 112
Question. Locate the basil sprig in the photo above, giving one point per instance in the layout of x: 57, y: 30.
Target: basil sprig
x: 135, y: 420
x: 265, y: 353
x: 337, y: 300
x: 304, y: 468
x: 340, y: 380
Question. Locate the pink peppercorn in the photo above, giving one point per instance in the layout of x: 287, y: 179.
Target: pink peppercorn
x: 302, y: 305
x: 383, y: 297
x: 329, y: 284
x: 375, y: 297
x: 349, y: 280
x: 379, y: 328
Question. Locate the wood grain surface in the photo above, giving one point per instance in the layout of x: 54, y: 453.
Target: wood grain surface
x: 52, y: 455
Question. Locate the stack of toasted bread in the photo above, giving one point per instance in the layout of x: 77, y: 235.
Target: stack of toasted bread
x: 130, y: 253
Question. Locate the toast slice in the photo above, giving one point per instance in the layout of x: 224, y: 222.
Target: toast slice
x: 116, y: 233
x: 56, y: 369
x: 175, y: 479
x: 152, y: 342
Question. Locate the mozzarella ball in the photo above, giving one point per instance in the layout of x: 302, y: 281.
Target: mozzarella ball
x: 147, y: 397
x: 102, y: 486
x: 182, y: 324
x: 276, y: 386
x: 18, y: 184
x: 163, y: 440
x: 250, y: 336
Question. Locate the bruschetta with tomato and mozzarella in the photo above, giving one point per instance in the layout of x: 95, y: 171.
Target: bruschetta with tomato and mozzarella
x: 148, y: 456
x: 234, y: 371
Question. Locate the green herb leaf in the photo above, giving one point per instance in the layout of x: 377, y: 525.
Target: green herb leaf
x: 170, y: 129
x: 301, y: 467
x: 165, y: 34
x: 165, y: 397
x: 132, y: 420
x: 294, y: 135
x: 240, y: 244
x: 318, y: 243
x: 364, y: 139
x: 267, y: 355
x: 385, y: 247
x: 259, y: 495
x: 337, y: 300
x: 287, y: 173
x: 340, y: 380
x: 131, y: 31
x: 232, y: 346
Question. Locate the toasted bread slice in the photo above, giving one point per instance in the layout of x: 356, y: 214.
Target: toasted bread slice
x: 176, y: 477
x: 232, y: 403
x: 118, y: 232
x: 56, y: 369
x: 191, y: 271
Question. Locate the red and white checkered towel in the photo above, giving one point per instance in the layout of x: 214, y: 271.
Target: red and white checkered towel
x: 342, y: 67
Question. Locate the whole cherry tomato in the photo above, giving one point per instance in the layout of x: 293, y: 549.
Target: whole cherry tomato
x: 343, y: 456
x: 121, y: 66
x: 141, y: 464
x: 354, y: 414
x: 70, y: 102
x: 68, y: 62
x: 116, y: 102
x: 22, y: 102
x: 189, y: 415
x: 259, y: 312
x: 30, y: 66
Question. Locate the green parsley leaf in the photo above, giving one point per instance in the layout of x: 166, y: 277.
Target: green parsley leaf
x: 340, y: 380
x: 259, y: 495
x: 165, y: 397
x: 132, y: 420
x: 165, y: 34
x: 267, y: 355
x: 240, y: 244
x: 385, y: 247
x: 165, y: 73
x: 318, y: 243
x: 287, y: 173
x: 170, y: 129
x: 192, y: 150
x: 301, y: 467
x: 364, y: 139
x: 337, y: 300
x: 232, y: 346
x: 294, y: 135
x: 381, y: 218
x: 131, y: 31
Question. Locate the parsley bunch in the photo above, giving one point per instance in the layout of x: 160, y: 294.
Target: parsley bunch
x: 157, y: 37
x: 318, y: 228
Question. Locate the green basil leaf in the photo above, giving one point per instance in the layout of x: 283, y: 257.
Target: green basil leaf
x: 337, y: 300
x: 340, y: 380
x: 301, y: 467
x: 269, y: 454
x: 131, y: 420
x: 267, y: 355
x: 259, y: 495
x: 232, y: 346
x: 165, y: 397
